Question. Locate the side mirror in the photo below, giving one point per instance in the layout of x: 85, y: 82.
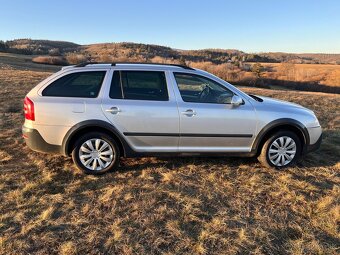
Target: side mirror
x: 236, y: 100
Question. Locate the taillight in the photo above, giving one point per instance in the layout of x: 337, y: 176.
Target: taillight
x: 29, y: 109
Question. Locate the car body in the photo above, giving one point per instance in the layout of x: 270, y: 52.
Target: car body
x: 156, y: 109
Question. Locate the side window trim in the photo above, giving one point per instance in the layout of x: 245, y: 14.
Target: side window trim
x: 200, y: 76
x: 121, y: 84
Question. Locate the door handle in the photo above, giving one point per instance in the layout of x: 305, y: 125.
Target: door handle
x: 113, y: 110
x: 189, y: 113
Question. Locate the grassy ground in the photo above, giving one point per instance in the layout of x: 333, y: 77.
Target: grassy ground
x: 23, y: 62
x: 167, y: 205
x: 324, y: 74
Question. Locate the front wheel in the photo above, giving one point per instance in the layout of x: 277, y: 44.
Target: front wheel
x: 95, y: 153
x: 280, y: 150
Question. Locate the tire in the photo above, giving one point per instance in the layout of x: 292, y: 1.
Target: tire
x: 95, y: 153
x: 278, y: 150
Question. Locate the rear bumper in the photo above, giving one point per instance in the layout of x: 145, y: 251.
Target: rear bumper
x: 315, y: 146
x: 36, y: 142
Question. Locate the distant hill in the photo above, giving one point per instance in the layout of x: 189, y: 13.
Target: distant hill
x: 37, y: 47
x: 145, y: 52
x: 299, y: 58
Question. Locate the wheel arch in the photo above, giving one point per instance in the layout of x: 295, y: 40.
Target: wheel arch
x: 89, y: 126
x: 281, y: 124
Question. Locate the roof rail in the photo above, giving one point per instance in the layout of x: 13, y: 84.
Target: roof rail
x: 85, y: 64
x: 158, y: 64
x: 132, y: 63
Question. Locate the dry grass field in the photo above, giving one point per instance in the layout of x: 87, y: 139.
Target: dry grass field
x: 324, y: 74
x: 23, y: 62
x: 167, y: 205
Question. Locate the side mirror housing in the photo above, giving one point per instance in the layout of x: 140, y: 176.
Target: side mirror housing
x: 236, y: 100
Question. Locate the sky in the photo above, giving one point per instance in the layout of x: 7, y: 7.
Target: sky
x: 298, y: 26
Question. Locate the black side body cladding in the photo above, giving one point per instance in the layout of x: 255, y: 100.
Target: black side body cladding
x: 186, y: 135
x: 284, y: 122
x: 93, y: 124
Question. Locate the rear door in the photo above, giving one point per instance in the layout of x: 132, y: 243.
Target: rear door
x: 142, y: 106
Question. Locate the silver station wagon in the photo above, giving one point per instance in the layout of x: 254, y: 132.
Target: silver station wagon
x: 98, y: 112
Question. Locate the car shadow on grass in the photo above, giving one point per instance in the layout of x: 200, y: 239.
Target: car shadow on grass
x: 327, y: 155
x: 140, y: 164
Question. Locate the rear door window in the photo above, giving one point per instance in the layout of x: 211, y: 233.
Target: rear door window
x: 80, y: 84
x: 139, y: 85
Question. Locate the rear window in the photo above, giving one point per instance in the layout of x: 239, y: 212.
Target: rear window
x: 80, y: 84
x: 139, y: 85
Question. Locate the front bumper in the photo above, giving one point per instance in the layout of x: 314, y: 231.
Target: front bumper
x: 36, y: 142
x: 315, y: 146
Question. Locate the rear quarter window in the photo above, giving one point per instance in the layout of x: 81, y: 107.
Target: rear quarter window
x: 80, y: 84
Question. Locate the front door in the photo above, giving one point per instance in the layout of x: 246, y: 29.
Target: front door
x: 208, y: 120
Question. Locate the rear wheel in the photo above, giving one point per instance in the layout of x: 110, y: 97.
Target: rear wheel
x: 95, y: 153
x: 282, y: 149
